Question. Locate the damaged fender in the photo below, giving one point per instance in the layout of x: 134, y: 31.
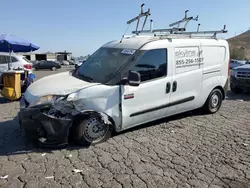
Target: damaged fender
x: 101, y: 100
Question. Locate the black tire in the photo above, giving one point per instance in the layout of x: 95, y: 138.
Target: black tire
x: 213, y: 102
x: 53, y: 68
x: 82, y: 137
x: 236, y: 90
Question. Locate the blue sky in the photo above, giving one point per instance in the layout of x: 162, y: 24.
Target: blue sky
x: 82, y: 26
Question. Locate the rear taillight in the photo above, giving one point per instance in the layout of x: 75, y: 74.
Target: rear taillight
x: 27, y: 66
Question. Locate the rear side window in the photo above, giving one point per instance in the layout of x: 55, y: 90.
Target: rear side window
x: 6, y: 59
x: 3, y: 59
x: 13, y: 59
x: 152, y: 64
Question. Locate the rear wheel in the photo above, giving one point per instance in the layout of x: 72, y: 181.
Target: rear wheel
x: 53, y: 68
x: 213, y: 102
x: 92, y: 131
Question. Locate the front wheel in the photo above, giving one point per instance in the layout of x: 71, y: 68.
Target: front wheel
x: 213, y: 102
x: 53, y: 68
x: 92, y: 131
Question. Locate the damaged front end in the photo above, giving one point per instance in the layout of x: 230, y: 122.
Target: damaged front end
x: 44, y: 123
x: 50, y: 123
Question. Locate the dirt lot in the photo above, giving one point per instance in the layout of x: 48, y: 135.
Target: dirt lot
x: 188, y: 150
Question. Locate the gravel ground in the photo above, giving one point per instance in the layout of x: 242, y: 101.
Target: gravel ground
x: 188, y: 150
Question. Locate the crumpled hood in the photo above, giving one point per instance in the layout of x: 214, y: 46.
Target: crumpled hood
x: 57, y: 84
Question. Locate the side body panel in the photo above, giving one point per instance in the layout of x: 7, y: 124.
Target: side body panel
x: 187, y: 76
x: 196, y: 65
x: 216, y: 65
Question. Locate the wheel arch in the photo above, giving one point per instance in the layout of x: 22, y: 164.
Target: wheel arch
x: 84, y: 115
x: 217, y: 87
x: 222, y: 91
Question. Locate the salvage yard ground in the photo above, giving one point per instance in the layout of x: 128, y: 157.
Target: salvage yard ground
x: 188, y: 150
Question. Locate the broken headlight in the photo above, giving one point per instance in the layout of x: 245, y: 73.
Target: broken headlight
x: 48, y: 99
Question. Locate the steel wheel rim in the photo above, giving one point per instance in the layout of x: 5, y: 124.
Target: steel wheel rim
x: 215, y: 100
x: 95, y: 130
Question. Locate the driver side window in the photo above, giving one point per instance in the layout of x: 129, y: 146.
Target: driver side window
x: 152, y: 65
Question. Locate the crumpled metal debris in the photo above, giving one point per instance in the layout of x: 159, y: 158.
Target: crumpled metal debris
x: 65, y: 107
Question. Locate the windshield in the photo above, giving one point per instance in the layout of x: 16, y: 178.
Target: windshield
x: 103, y: 64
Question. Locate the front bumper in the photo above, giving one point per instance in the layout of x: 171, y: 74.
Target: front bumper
x: 240, y: 83
x: 48, y: 130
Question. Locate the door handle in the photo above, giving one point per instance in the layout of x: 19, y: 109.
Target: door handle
x: 168, y: 87
x: 174, y: 86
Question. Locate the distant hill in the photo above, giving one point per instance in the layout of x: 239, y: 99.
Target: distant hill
x: 240, y: 46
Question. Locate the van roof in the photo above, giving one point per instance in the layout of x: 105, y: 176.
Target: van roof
x: 131, y: 42
x: 136, y: 42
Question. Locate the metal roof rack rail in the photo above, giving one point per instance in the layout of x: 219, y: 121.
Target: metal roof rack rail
x: 173, y: 32
x: 214, y: 33
x: 185, y: 19
x: 170, y: 30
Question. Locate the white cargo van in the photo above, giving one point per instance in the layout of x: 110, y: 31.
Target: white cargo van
x: 125, y: 84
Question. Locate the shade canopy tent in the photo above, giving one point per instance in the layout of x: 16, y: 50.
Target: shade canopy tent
x: 12, y: 43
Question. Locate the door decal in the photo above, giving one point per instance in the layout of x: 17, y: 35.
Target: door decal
x: 129, y: 96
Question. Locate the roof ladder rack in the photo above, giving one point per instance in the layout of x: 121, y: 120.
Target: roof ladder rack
x: 141, y: 15
x: 185, y: 19
x: 175, y: 30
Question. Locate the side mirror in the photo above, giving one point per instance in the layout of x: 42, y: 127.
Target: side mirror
x: 134, y: 78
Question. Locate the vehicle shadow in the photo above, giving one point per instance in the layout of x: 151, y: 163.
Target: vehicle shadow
x: 13, y: 141
x: 245, y: 96
x: 4, y: 100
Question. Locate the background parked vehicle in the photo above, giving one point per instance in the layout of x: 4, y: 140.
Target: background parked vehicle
x: 63, y: 62
x: 79, y: 63
x: 17, y: 62
x: 52, y: 65
x: 240, y: 78
x: 72, y: 62
x: 235, y: 63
